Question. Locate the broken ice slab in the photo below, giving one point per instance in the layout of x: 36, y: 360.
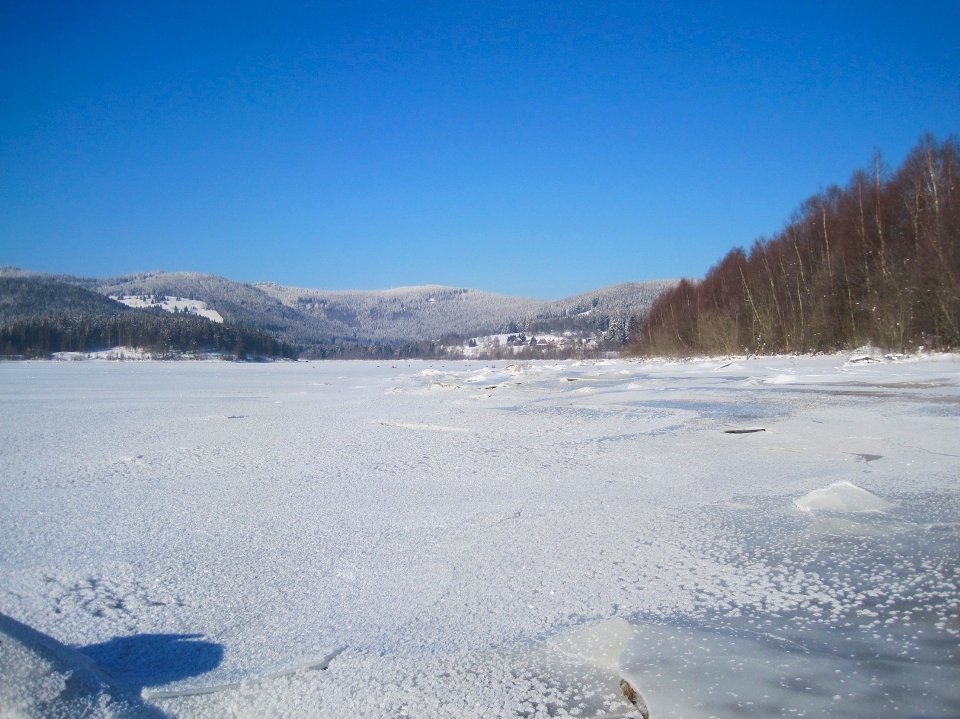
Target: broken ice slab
x: 842, y: 497
x: 311, y: 666
x: 601, y: 644
x: 577, y: 673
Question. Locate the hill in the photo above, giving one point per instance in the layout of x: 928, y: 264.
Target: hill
x: 434, y: 311
x: 40, y: 315
x: 24, y: 298
x: 401, y: 314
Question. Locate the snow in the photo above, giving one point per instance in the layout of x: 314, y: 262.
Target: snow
x: 170, y: 304
x: 134, y: 354
x: 212, y: 535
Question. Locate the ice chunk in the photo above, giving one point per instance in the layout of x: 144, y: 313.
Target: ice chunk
x: 780, y: 379
x: 868, y: 354
x: 316, y: 665
x: 842, y: 497
x: 601, y: 645
x: 516, y: 368
x: 442, y: 386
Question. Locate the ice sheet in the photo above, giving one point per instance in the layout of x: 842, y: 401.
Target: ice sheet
x: 449, y: 539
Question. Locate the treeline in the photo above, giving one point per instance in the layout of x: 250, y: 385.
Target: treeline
x: 161, y: 334
x: 877, y: 261
x: 451, y: 347
x: 352, y: 349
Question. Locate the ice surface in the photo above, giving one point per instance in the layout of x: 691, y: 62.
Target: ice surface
x: 243, y: 521
x: 842, y: 497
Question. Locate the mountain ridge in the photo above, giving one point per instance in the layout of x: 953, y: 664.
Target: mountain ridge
x: 311, y: 317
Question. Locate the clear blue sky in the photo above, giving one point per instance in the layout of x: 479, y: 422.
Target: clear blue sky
x: 530, y: 149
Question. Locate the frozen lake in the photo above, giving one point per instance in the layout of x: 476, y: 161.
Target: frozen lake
x: 441, y: 536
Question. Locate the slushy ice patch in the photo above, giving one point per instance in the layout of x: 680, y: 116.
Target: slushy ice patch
x: 695, y: 673
x: 860, y: 615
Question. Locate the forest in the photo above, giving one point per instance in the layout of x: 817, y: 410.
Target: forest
x: 159, y: 334
x: 163, y: 335
x: 877, y: 261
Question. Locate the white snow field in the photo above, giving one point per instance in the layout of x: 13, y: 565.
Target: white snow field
x: 170, y: 304
x: 416, y: 539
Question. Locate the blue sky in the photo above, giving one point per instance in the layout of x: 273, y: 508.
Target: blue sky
x: 531, y: 149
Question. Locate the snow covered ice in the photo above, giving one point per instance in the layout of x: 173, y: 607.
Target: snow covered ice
x: 205, y: 539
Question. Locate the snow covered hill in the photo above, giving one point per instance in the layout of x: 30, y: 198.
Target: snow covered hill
x: 431, y: 311
x: 404, y: 313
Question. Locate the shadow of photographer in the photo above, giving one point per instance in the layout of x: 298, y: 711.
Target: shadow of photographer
x: 148, y: 660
